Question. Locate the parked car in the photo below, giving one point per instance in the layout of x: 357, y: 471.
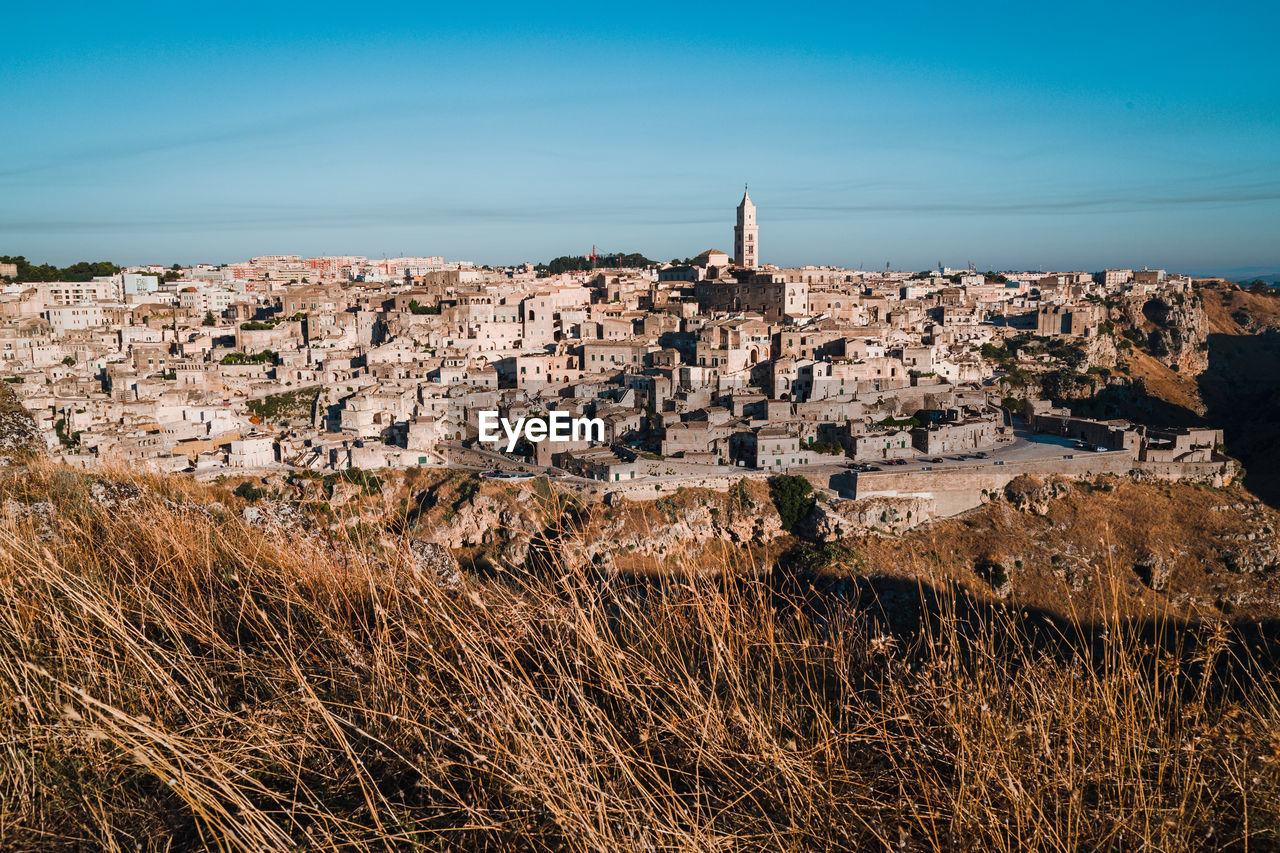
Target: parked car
x: 874, y: 468
x: 937, y: 459
x: 981, y: 455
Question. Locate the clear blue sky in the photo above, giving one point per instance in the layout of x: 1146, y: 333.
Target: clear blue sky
x: 1014, y: 135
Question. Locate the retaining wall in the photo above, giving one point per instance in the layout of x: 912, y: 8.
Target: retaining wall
x: 958, y: 488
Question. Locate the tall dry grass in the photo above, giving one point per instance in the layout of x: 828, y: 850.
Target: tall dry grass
x: 171, y: 678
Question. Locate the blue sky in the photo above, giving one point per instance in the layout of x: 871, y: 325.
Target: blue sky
x: 1011, y: 135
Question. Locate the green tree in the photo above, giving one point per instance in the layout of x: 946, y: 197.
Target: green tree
x: 81, y: 271
x: 1060, y: 384
x: 792, y: 497
x: 1073, y: 357
x: 991, y: 352
x: 578, y: 263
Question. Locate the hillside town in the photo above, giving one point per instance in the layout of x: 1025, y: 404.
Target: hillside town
x: 709, y: 367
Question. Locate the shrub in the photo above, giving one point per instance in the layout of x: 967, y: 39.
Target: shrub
x: 793, y: 497
x: 265, y: 357
x: 250, y: 492
x: 417, y: 308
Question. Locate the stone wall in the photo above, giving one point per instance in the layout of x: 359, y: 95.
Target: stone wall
x: 648, y: 490
x: 1216, y: 474
x: 958, y: 488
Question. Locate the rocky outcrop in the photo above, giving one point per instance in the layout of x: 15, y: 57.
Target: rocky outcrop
x: 434, y: 562
x: 1030, y: 494
x: 1252, y: 550
x: 510, y: 526
x: 18, y: 431
x: 690, y: 526
x: 485, y: 520
x: 1154, y: 570
x: 1100, y: 351
x: 277, y: 518
x: 1178, y: 330
x: 834, y: 520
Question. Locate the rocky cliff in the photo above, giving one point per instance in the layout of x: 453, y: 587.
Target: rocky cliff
x: 1176, y: 327
x: 19, y: 434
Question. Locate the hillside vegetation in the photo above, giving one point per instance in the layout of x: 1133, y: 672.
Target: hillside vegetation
x: 181, y: 671
x: 80, y: 271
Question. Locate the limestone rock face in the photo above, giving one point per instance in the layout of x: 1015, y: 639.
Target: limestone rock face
x: 485, y: 520
x: 1181, y: 331
x: 1154, y: 570
x: 510, y: 528
x: 18, y: 430
x: 1032, y: 495
x: 689, y: 527
x: 435, y: 562
x: 1101, y: 351
x: 277, y: 518
x: 832, y: 521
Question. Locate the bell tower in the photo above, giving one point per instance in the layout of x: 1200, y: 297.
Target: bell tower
x: 746, y: 247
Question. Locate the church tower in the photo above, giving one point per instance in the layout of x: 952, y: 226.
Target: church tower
x: 746, y: 248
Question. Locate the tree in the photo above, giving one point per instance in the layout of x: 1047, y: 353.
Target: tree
x: 81, y: 271
x: 209, y: 319
x: 1073, y: 357
x: 991, y: 352
x: 793, y: 497
x: 578, y: 263
x: 1059, y: 384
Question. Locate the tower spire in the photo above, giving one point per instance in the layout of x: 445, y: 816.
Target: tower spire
x: 746, y: 249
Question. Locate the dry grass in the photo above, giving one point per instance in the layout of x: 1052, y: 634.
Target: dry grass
x: 1097, y: 532
x: 172, y: 679
x: 1226, y: 305
x: 1165, y: 383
